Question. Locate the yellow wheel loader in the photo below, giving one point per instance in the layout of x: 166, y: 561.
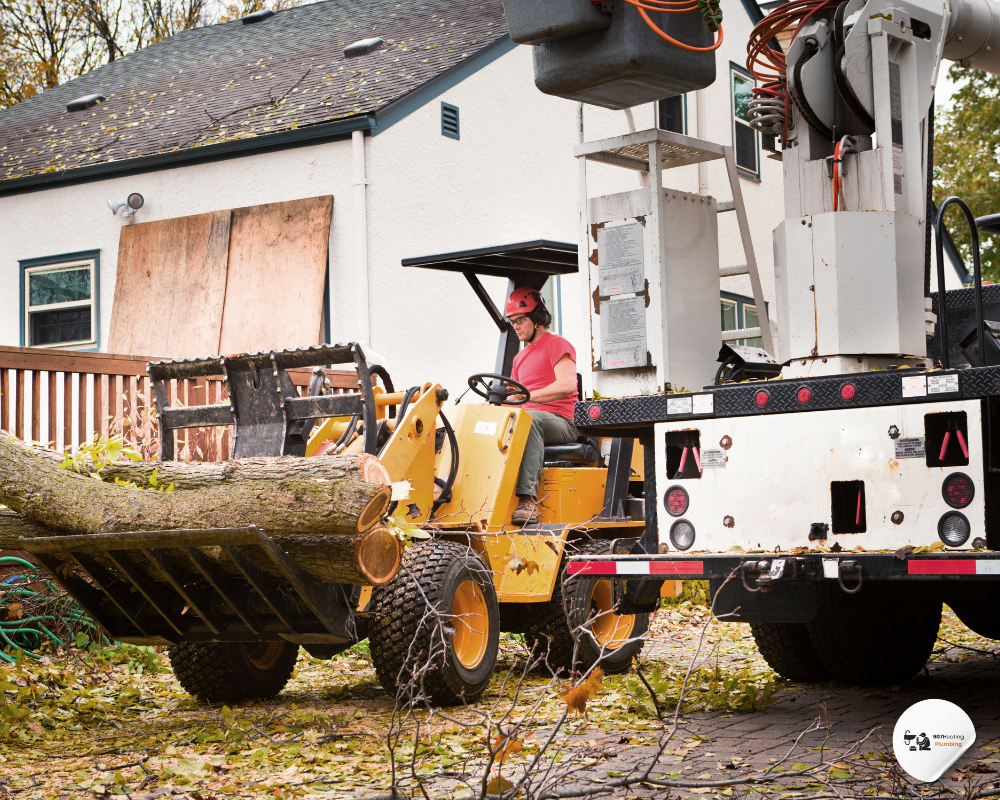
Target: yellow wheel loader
x: 466, y: 574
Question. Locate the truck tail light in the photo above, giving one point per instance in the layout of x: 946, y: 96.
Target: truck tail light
x: 762, y: 398
x: 958, y: 490
x: 676, y: 501
x: 953, y: 529
x: 804, y: 394
x: 682, y: 534
x: 847, y: 391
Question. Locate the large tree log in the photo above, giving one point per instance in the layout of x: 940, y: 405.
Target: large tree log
x: 318, y: 507
x: 372, y: 557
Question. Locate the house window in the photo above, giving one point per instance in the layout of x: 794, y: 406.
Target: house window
x: 59, y: 301
x: 552, y: 295
x: 671, y: 114
x: 740, y: 312
x: 744, y: 137
x: 449, y: 121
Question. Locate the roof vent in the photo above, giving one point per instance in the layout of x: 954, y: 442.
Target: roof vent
x: 257, y: 16
x: 363, y: 48
x: 85, y: 102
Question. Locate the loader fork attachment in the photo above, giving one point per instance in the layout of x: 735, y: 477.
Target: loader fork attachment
x: 270, y: 418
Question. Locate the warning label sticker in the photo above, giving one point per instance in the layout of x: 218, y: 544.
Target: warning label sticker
x: 713, y: 459
x: 679, y: 405
x: 704, y: 403
x: 912, y: 447
x: 942, y: 384
x: 914, y: 386
x: 486, y: 428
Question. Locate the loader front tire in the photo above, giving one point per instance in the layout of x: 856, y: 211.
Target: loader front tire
x: 435, y: 628
x: 786, y: 647
x: 581, y: 615
x: 882, y: 635
x: 228, y: 672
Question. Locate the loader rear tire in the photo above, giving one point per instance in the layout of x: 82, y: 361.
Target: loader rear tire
x: 226, y: 672
x: 435, y: 629
x: 581, y: 615
x: 881, y: 636
x: 786, y: 647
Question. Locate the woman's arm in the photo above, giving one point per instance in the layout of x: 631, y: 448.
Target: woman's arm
x: 563, y: 386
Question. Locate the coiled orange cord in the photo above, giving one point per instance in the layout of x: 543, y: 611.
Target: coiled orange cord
x: 671, y: 7
x: 767, y: 64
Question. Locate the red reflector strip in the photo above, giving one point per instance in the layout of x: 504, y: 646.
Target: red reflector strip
x: 635, y: 567
x: 942, y: 567
x: 676, y: 567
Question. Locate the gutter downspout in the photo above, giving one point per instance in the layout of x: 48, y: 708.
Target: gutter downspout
x: 702, y: 134
x: 361, y: 240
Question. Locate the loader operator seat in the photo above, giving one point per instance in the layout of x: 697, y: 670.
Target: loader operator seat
x: 586, y: 450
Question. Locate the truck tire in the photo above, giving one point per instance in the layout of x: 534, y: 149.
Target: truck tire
x: 786, y: 647
x: 227, y: 672
x: 584, y: 607
x: 883, y: 635
x: 437, y: 620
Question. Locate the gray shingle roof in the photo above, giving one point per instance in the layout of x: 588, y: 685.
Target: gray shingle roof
x: 233, y: 81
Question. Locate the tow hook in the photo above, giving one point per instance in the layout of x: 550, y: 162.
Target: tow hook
x: 848, y: 567
x: 767, y: 572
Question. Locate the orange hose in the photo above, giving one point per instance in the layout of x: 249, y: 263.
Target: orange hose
x: 673, y: 41
x: 836, y: 176
x: 671, y: 7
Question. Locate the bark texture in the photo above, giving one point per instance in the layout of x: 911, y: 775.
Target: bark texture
x: 325, y: 494
x: 323, y: 511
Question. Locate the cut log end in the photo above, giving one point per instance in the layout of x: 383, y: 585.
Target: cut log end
x: 379, y: 555
x: 375, y: 509
x: 372, y: 470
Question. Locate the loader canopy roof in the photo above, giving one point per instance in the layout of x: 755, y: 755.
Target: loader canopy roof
x: 523, y: 264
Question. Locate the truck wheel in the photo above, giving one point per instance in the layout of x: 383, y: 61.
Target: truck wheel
x: 882, y: 635
x: 581, y: 614
x: 437, y: 621
x: 217, y: 672
x: 788, y: 650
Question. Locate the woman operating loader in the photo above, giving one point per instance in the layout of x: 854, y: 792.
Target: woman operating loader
x: 547, y: 367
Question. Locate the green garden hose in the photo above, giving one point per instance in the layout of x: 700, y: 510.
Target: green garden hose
x: 42, y: 609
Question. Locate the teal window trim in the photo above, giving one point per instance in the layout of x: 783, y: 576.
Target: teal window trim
x: 741, y: 301
x: 742, y: 72
x: 95, y: 289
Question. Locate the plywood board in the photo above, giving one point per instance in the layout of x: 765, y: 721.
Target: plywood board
x: 170, y: 288
x: 277, y: 272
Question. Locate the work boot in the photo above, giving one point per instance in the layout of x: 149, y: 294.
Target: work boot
x: 526, y: 512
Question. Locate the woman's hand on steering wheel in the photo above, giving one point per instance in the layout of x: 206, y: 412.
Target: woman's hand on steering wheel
x: 501, y: 390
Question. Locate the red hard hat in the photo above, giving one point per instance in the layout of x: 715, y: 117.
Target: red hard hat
x: 523, y: 301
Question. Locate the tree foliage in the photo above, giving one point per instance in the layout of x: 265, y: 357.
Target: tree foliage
x: 46, y: 42
x: 967, y: 161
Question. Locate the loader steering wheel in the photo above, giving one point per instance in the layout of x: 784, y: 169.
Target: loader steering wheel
x: 496, y: 392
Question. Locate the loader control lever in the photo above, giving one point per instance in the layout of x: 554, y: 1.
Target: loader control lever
x: 497, y: 391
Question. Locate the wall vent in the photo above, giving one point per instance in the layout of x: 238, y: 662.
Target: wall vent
x: 85, y: 102
x: 449, y: 121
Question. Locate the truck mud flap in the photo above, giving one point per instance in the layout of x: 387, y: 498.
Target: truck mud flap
x: 222, y: 584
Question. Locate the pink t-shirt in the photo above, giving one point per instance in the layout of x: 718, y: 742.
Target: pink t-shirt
x: 534, y: 367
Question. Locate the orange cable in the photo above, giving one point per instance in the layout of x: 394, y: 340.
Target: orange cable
x: 673, y: 41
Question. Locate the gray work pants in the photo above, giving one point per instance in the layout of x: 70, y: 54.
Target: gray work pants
x: 546, y: 428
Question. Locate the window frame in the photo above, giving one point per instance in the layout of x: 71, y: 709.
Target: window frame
x: 742, y: 302
x: 684, y: 112
x: 555, y: 306
x: 30, y: 266
x: 734, y: 71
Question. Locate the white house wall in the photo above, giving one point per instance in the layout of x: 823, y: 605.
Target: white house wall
x: 510, y: 177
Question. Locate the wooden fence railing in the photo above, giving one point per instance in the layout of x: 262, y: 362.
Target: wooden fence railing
x: 64, y: 398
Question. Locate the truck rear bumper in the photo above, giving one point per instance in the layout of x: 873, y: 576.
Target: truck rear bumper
x: 757, y: 568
